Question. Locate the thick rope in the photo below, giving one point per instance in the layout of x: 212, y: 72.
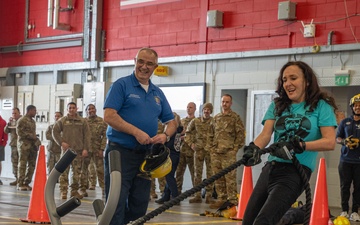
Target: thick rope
x: 187, y: 193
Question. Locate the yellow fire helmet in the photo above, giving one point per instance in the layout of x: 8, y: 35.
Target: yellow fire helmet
x: 158, y: 163
x: 354, y: 99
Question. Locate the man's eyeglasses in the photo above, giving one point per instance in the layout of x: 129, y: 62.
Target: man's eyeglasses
x: 141, y: 62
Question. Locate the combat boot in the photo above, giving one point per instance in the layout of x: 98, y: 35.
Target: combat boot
x: 84, y: 193
x: 92, y: 187
x: 216, y: 204
x: 209, y: 199
x: 196, y: 199
x: 22, y: 188
x: 63, y: 195
x: 14, y: 183
x: 76, y: 194
x: 153, y: 195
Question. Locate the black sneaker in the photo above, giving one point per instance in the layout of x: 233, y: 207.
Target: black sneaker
x: 1, y: 183
x: 161, y: 201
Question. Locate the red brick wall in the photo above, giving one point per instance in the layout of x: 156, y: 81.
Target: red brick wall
x: 179, y: 28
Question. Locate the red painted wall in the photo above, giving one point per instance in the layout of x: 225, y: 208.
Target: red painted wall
x: 179, y: 28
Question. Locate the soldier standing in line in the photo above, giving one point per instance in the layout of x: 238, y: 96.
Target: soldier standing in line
x: 196, y: 137
x: 186, y: 153
x: 54, y: 150
x: 72, y: 132
x: 27, y: 143
x: 98, y: 139
x: 226, y: 137
x: 10, y: 128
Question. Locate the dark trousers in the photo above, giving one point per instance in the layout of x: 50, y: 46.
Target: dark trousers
x: 171, y: 187
x: 349, y: 173
x: 135, y: 190
x: 278, y: 187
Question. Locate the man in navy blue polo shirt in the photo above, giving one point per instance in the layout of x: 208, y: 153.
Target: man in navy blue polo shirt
x: 132, y: 108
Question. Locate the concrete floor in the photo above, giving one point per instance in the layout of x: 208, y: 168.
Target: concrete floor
x: 14, y: 205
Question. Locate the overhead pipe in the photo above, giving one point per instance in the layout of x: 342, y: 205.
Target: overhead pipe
x: 50, y: 15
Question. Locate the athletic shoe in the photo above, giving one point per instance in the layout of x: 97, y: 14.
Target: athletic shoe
x: 344, y: 214
x: 355, y: 217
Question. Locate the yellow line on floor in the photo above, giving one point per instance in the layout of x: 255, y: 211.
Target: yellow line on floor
x: 188, y: 222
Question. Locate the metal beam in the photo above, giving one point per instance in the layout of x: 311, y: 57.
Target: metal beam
x: 41, y: 46
x: 245, y: 54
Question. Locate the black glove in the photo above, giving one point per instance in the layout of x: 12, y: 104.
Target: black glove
x: 252, y: 155
x: 287, y: 149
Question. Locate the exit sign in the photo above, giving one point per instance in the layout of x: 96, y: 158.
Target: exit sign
x: 342, y: 80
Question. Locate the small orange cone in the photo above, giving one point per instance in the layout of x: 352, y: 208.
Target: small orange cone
x: 245, y: 193
x: 37, y: 212
x: 320, y: 206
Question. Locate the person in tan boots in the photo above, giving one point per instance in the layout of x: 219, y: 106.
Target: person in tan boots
x: 196, y: 137
x: 72, y: 132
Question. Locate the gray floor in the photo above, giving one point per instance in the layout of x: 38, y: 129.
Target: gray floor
x: 14, y: 205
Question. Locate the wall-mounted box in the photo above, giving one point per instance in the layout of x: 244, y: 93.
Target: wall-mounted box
x: 162, y: 71
x: 214, y: 18
x: 287, y: 10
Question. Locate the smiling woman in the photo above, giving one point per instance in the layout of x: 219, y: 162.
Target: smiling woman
x: 180, y: 95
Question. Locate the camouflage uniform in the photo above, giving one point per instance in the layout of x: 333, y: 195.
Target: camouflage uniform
x: 13, y: 144
x: 27, y: 144
x: 97, y: 128
x: 197, y: 133
x: 75, y: 132
x: 54, y: 150
x: 186, y: 158
x: 226, y: 137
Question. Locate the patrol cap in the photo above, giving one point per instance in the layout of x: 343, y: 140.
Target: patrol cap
x: 209, y: 106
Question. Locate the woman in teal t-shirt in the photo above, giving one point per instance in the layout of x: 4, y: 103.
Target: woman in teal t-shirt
x: 301, y: 112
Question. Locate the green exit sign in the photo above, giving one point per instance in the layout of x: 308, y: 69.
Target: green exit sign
x: 342, y: 80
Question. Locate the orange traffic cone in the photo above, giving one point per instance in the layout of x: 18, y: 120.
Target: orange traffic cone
x: 245, y: 193
x: 320, y: 206
x: 37, y: 212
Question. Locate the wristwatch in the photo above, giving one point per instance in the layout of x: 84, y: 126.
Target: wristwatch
x: 167, y: 137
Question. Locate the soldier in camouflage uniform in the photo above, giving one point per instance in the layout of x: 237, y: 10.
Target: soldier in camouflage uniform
x: 186, y: 153
x: 54, y: 150
x: 10, y: 128
x: 226, y: 137
x: 72, y: 132
x: 196, y: 137
x: 27, y: 143
x: 97, y: 145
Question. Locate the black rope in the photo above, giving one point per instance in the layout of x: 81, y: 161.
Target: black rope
x: 187, y: 193
x: 212, y: 179
x: 305, y: 180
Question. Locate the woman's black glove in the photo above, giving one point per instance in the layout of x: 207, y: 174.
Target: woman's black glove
x: 252, y: 155
x: 287, y: 149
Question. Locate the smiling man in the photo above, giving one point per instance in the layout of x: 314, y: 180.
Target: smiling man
x: 132, y: 108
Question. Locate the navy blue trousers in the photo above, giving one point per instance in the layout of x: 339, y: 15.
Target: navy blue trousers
x: 135, y: 190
